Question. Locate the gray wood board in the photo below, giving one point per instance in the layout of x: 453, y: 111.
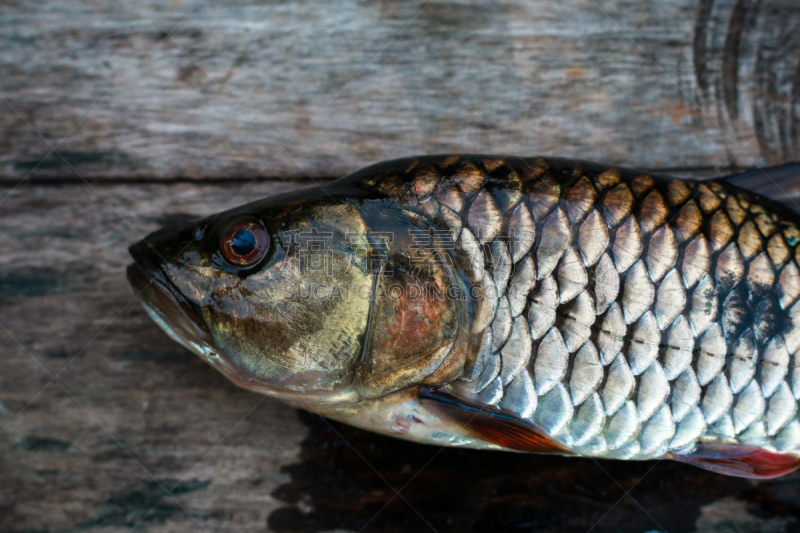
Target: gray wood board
x: 131, y: 415
x: 294, y: 89
x: 139, y: 96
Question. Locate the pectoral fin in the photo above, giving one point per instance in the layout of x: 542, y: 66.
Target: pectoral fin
x: 740, y: 461
x: 490, y: 424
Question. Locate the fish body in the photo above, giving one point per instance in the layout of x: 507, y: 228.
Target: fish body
x: 526, y: 304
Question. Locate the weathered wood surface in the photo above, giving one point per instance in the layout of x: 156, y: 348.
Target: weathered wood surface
x: 131, y: 415
x: 107, y: 425
x: 284, y: 89
x: 129, y: 412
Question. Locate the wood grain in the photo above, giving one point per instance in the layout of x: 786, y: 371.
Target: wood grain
x: 171, y: 109
x: 136, y: 433
x: 213, y: 90
x: 130, y: 415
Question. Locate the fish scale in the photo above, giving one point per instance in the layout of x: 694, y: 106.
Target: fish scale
x: 639, y: 316
x: 538, y: 305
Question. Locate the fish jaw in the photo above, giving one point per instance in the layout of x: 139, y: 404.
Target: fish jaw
x: 173, y: 313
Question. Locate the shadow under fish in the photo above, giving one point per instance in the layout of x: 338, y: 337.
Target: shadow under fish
x: 346, y: 479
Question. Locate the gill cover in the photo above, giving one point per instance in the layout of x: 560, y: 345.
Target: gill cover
x: 420, y: 314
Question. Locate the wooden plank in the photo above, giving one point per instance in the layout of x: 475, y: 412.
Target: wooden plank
x: 277, y: 89
x: 132, y: 412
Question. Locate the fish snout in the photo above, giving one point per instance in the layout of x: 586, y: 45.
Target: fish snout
x: 162, y: 299
x: 165, y: 245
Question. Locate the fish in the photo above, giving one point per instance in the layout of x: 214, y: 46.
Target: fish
x: 536, y: 305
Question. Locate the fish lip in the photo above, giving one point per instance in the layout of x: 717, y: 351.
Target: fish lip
x: 160, y: 295
x: 180, y: 318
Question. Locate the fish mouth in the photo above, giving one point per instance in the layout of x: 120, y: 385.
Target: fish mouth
x: 165, y: 304
x: 179, y: 317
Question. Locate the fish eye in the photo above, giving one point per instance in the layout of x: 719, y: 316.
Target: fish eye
x: 244, y: 243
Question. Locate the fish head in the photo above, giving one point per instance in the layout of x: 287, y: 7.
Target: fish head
x: 274, y: 294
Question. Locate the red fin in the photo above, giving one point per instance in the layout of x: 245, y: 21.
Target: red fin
x: 491, y: 424
x: 740, y: 461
